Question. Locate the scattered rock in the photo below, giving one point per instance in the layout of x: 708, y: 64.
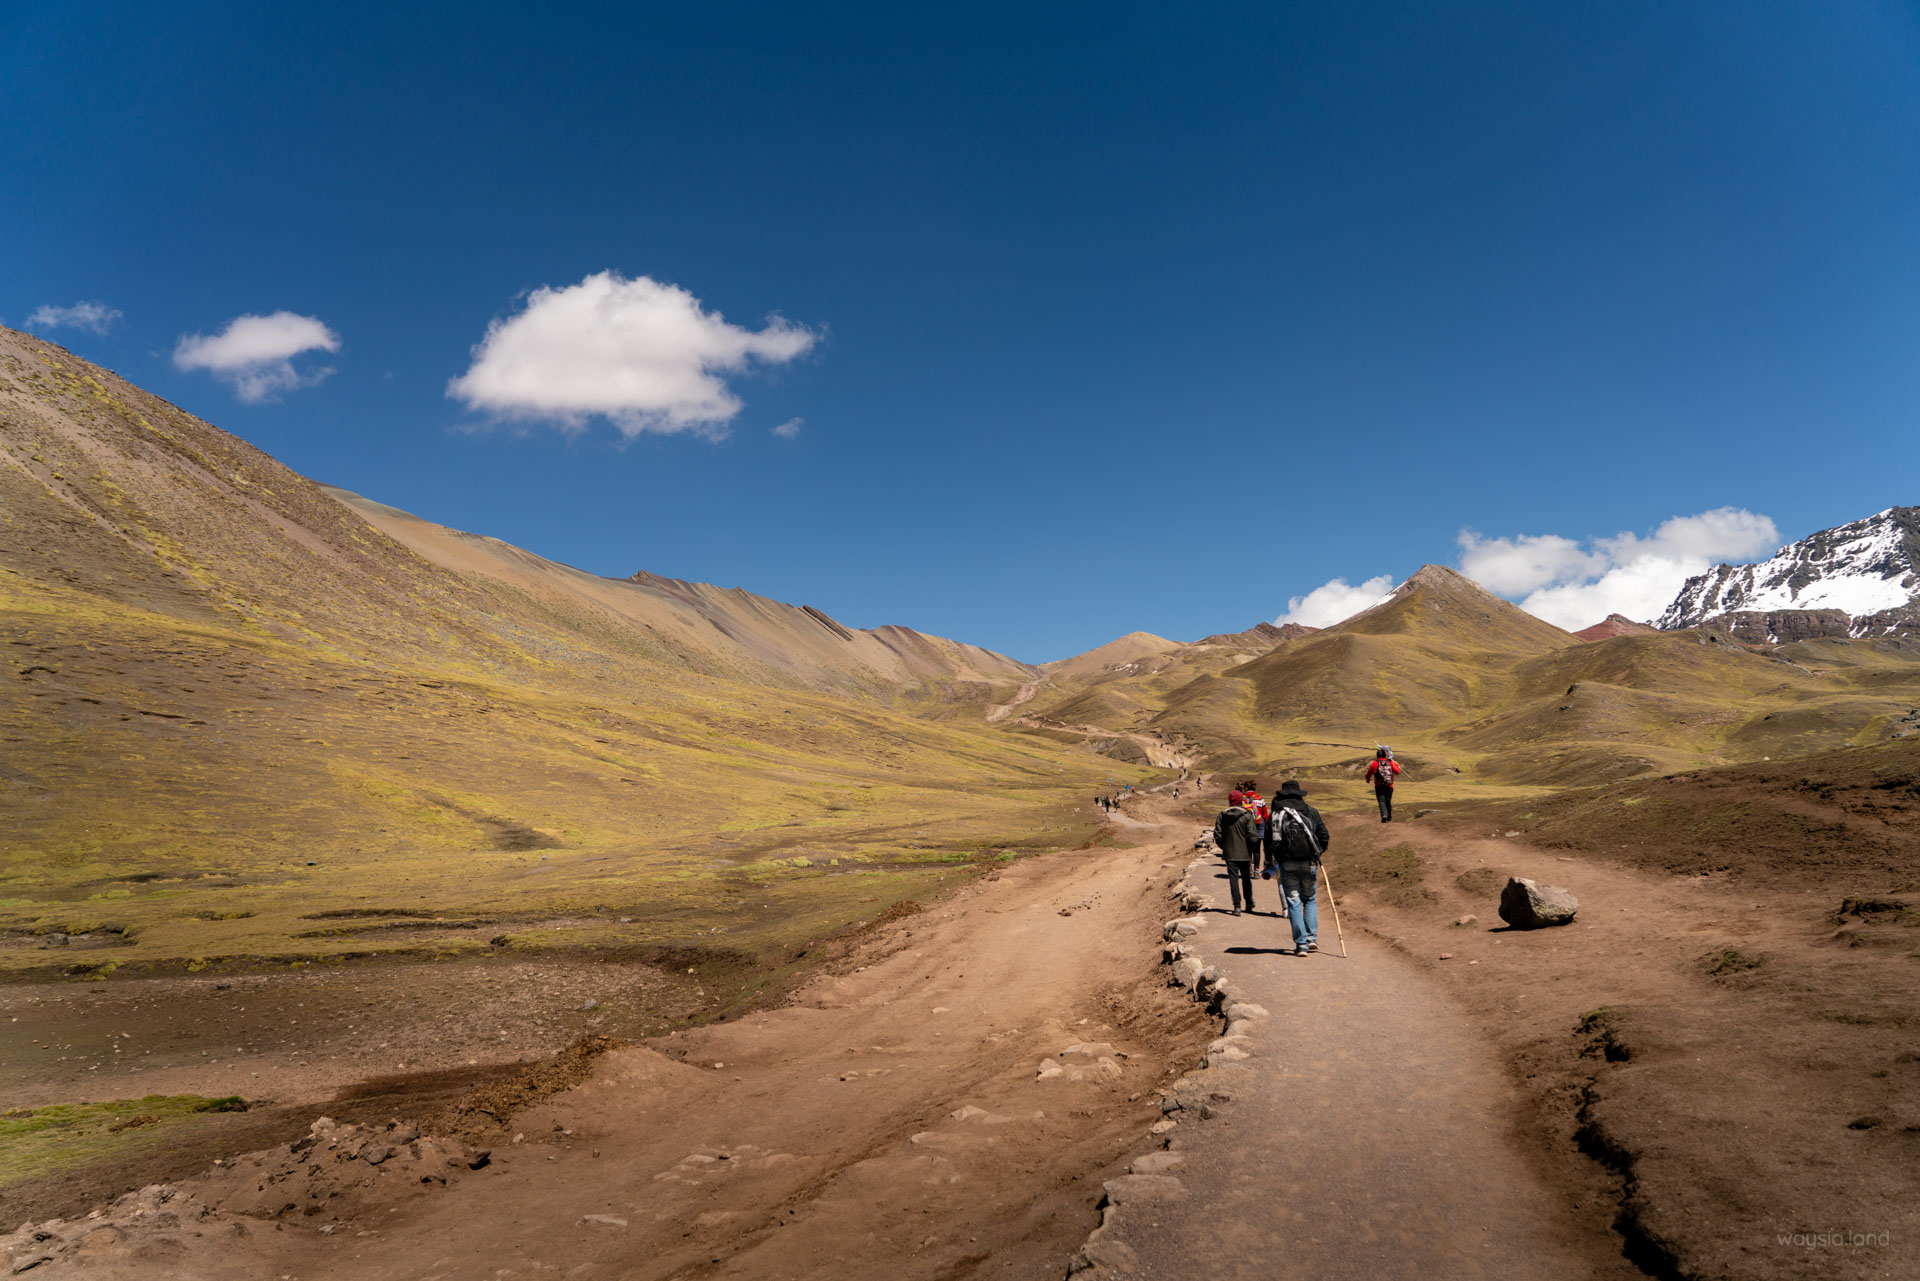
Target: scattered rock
x: 52, y: 940
x: 1527, y: 905
x: 1446, y: 956
x: 611, y: 1220
x: 1244, y: 1010
x: 1464, y: 921
x: 1161, y: 1126
x: 336, y: 1172
x: 1187, y: 972
x: 1156, y: 1163
x: 1145, y: 1187
x: 1184, y: 928
x: 1104, y: 1258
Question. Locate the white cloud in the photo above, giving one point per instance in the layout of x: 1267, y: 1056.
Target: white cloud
x: 1571, y: 586
x: 1515, y: 566
x: 1335, y: 602
x: 643, y: 354
x: 790, y: 428
x: 254, y: 354
x: 94, y: 317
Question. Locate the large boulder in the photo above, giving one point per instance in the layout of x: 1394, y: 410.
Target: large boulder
x: 1529, y: 905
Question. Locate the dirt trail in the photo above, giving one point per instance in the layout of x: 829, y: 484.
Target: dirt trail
x: 1159, y: 753
x: 1025, y: 694
x: 892, y: 1121
x: 950, y: 1104
x: 1370, y: 1135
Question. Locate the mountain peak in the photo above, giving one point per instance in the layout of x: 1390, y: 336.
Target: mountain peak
x: 1866, y: 572
x: 1439, y: 576
x: 1614, y: 625
x: 1436, y: 600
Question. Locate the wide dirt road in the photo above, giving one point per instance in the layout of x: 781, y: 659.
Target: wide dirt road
x: 1369, y: 1135
x: 893, y: 1121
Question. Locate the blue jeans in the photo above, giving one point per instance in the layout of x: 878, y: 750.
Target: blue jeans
x: 1299, y: 882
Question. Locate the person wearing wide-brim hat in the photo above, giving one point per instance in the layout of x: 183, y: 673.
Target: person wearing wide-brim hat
x: 1297, y: 837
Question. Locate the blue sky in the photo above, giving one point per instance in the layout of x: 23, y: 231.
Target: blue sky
x: 1094, y: 318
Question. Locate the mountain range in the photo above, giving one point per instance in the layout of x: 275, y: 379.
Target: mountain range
x: 225, y: 676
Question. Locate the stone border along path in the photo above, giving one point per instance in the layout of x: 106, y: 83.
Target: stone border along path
x: 1105, y: 1253
x: 1378, y: 1141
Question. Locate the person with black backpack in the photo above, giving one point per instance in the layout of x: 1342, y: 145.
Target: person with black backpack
x: 1297, y: 838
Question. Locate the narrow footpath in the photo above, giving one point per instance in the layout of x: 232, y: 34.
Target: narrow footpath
x: 1359, y: 1129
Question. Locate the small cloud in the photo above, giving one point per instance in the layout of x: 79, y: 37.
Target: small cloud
x: 790, y: 428
x: 1516, y: 566
x: 641, y: 353
x: 1573, y: 586
x: 254, y: 354
x: 1335, y: 602
x: 93, y: 317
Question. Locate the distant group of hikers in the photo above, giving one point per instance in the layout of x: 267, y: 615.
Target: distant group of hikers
x: 1108, y: 804
x: 1288, y: 840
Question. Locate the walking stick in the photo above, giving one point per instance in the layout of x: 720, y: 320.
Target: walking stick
x: 1336, y: 909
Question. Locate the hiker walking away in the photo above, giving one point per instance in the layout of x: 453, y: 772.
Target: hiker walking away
x: 1380, y: 772
x: 1257, y: 806
x: 1296, y: 839
x: 1239, y: 845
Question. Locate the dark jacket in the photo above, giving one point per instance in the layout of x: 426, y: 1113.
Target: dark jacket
x: 1276, y: 852
x: 1236, y: 835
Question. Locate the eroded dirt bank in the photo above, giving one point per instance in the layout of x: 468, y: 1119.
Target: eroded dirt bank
x: 889, y: 1121
x: 1728, y: 1063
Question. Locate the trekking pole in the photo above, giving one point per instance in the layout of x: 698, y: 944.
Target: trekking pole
x: 1334, y: 904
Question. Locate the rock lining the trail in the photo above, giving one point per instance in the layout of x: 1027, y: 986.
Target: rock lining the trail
x: 1195, y: 1096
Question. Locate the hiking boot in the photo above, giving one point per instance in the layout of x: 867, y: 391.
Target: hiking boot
x: 1233, y: 911
x: 1300, y: 950
x: 1313, y: 947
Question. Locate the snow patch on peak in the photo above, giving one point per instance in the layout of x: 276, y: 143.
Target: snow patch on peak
x: 1867, y: 566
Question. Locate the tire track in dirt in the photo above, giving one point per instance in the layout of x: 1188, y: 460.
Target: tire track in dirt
x: 892, y: 1120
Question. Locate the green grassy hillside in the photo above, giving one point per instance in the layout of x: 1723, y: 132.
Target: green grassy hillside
x: 1449, y: 673
x: 240, y: 721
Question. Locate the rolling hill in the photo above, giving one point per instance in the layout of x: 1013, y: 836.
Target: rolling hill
x: 1472, y: 687
x: 715, y: 631
x: 237, y: 709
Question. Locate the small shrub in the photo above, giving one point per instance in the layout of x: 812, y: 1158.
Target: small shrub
x: 1731, y: 961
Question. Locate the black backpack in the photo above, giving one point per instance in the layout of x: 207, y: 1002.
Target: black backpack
x: 1295, y: 832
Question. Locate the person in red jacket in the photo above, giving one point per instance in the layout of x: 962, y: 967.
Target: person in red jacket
x: 1380, y: 772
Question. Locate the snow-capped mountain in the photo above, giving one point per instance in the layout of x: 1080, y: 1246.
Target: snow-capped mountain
x: 1858, y: 579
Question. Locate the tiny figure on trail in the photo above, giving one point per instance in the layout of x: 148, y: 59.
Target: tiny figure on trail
x: 1239, y: 845
x: 1380, y: 772
x: 1296, y: 839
